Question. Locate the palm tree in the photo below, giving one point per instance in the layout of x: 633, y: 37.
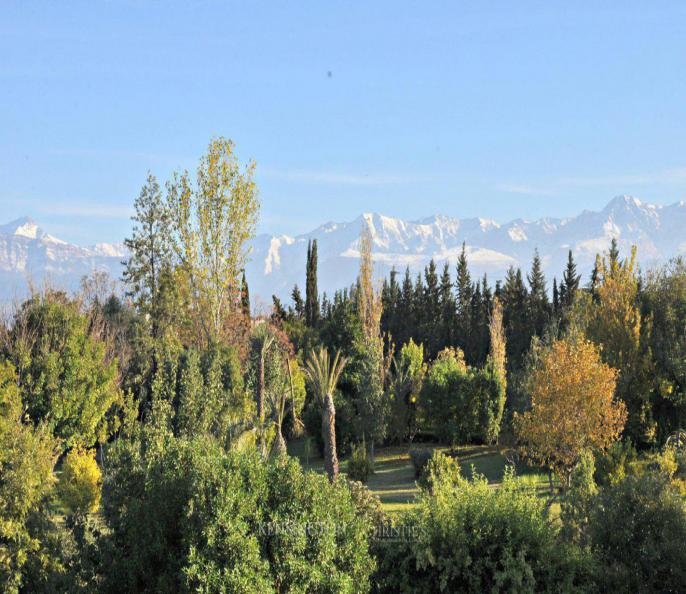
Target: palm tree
x: 323, y: 375
x: 264, y: 343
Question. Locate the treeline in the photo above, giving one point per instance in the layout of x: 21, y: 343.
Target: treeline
x: 634, y: 316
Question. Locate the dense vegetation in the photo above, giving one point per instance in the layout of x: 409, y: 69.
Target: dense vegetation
x: 144, y: 433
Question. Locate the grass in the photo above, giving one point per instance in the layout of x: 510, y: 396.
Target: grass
x: 393, y: 480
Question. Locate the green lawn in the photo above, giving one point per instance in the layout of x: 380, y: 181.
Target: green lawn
x: 393, y: 479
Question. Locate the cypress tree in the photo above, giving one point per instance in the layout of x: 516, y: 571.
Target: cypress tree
x: 245, y: 297
x: 432, y: 309
x: 311, y: 292
x: 538, y: 304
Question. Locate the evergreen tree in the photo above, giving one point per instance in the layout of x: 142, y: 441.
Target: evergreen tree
x: 556, y: 297
x: 298, y: 303
x: 150, y: 252
x: 463, y: 285
x: 432, y: 309
x: 614, y: 254
x: 570, y: 282
x: 447, y: 305
x: 517, y: 329
x: 245, y: 297
x: 406, y: 311
x: 538, y: 304
x: 311, y: 292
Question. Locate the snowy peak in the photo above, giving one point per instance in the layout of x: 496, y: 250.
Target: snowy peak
x: 491, y: 247
x: 22, y: 227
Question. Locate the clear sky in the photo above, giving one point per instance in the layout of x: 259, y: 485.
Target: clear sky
x: 495, y: 109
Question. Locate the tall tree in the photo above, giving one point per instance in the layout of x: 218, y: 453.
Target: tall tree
x: 448, y: 309
x: 323, y: 375
x: 570, y: 282
x: 245, y: 297
x: 538, y: 304
x: 150, y: 254
x: 311, y: 291
x: 464, y: 289
x: 212, y: 221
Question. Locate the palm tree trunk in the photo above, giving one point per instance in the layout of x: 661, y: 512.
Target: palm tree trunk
x: 329, y: 437
x: 260, y: 404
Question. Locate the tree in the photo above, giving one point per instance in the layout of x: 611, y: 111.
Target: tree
x: 245, y: 297
x: 211, y: 223
x: 570, y: 282
x: 572, y: 407
x: 538, y: 304
x: 67, y: 378
x: 371, y: 401
x: 27, y: 457
x: 616, y: 323
x: 149, y: 265
x: 323, y: 374
x: 407, y: 375
x: 311, y: 291
x: 80, y: 482
x: 463, y: 286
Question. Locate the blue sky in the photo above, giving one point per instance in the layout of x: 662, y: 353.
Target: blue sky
x: 495, y: 109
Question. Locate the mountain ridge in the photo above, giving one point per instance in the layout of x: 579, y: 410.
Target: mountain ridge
x: 277, y: 262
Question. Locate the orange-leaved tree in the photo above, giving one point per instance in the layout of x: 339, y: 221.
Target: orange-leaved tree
x: 572, y: 407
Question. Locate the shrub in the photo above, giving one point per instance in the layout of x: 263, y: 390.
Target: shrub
x: 477, y: 539
x: 80, y: 482
x: 613, y: 465
x: 440, y: 471
x: 360, y: 463
x: 190, y: 517
x: 419, y: 458
x: 637, y: 531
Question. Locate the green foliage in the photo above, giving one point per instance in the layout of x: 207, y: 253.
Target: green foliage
x: 463, y: 404
x: 407, y: 376
x: 67, y: 379
x: 27, y: 457
x: 420, y: 458
x: 360, y: 463
x: 80, y: 483
x: 472, y: 538
x: 190, y: 517
x: 615, y: 463
x: 578, y: 499
x: 637, y: 532
x: 440, y: 472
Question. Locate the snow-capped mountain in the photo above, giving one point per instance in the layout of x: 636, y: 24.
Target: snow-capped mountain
x: 29, y: 254
x: 278, y: 262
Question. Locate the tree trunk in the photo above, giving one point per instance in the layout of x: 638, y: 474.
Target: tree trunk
x: 329, y: 437
x: 260, y: 405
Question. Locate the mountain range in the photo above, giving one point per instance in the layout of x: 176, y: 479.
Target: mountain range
x: 277, y: 262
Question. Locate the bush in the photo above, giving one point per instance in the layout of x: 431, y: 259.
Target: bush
x: 187, y: 516
x: 80, y: 482
x: 613, y: 465
x: 419, y: 458
x: 439, y: 472
x: 477, y: 539
x: 637, y: 532
x: 360, y: 463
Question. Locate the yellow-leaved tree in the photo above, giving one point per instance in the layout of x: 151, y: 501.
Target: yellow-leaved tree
x: 80, y: 483
x: 572, y: 407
